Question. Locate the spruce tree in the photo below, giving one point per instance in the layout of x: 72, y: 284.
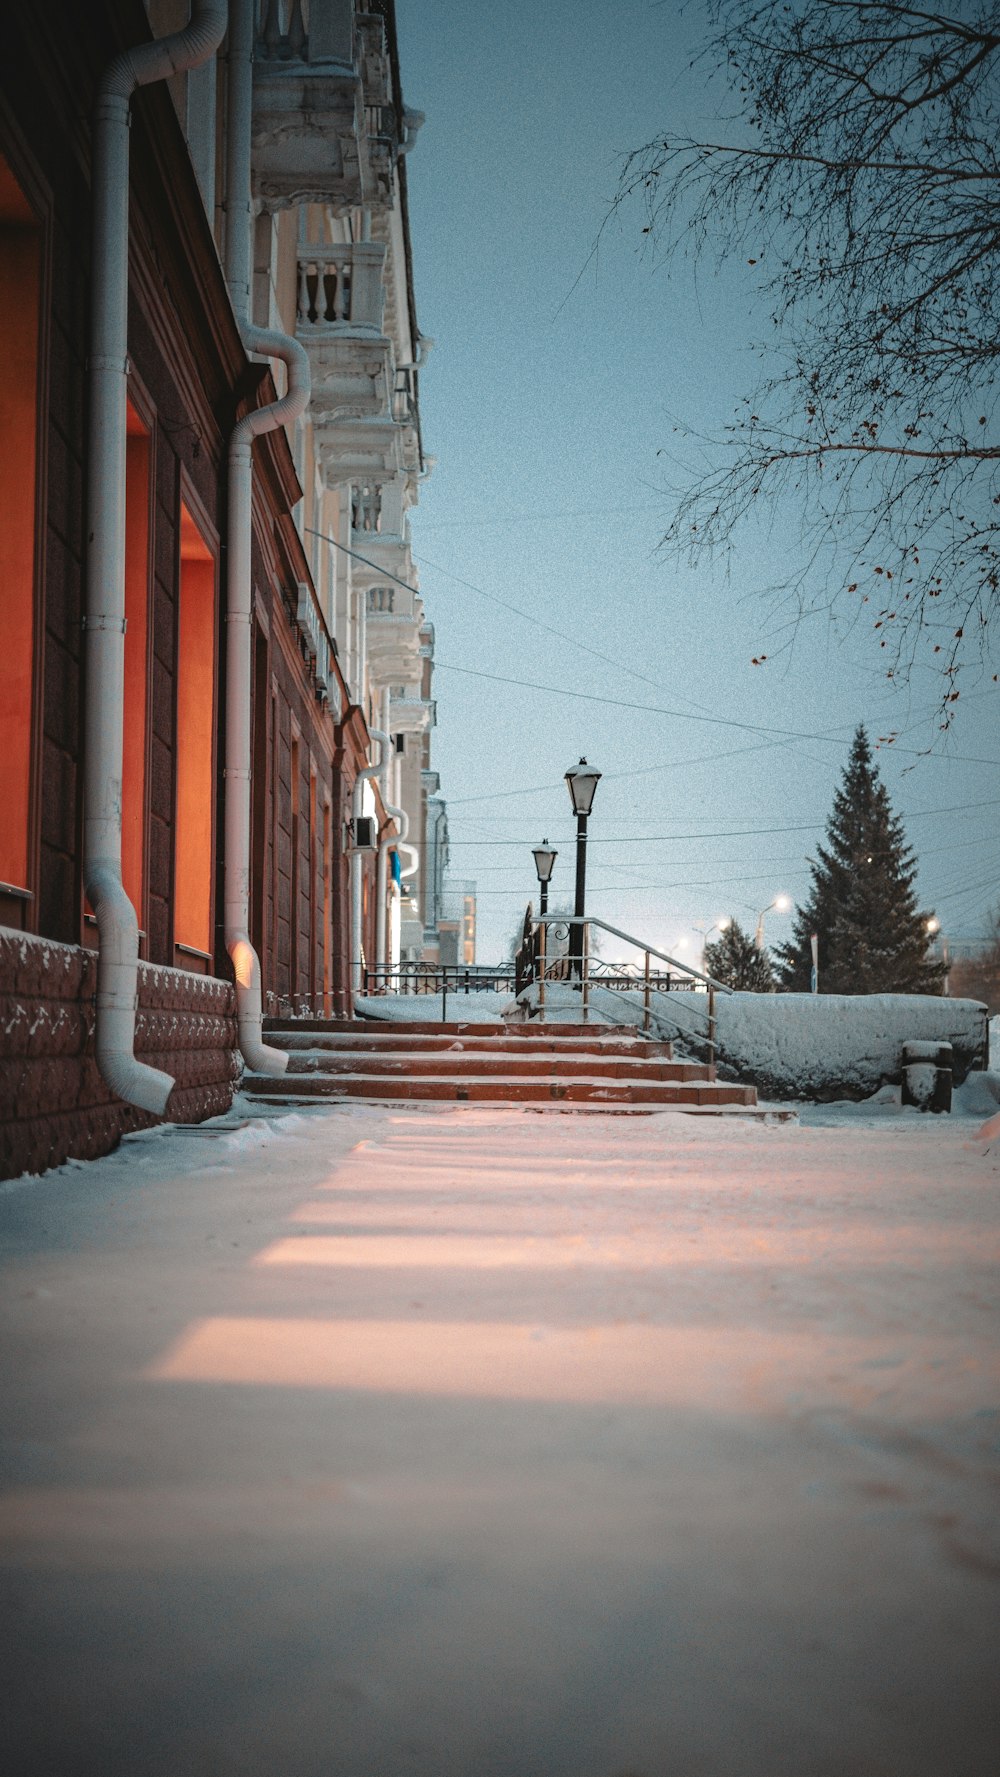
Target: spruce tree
x: 735, y: 961
x: 872, y: 936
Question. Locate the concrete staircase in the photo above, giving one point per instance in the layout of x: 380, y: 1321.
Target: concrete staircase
x: 570, y: 1065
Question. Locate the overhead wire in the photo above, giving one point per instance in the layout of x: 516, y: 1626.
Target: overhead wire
x: 648, y: 709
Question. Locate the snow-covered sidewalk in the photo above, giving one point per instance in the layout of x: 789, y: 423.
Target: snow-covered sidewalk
x: 463, y: 1443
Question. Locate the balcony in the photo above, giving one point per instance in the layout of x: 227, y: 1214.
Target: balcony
x: 380, y: 530
x: 392, y: 634
x: 409, y: 713
x: 325, y: 130
x: 355, y: 447
x: 341, y: 298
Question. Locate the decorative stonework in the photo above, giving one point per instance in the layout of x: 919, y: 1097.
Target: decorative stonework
x: 53, y: 1103
x: 325, y: 129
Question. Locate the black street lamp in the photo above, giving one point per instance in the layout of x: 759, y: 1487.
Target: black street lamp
x: 581, y: 784
x: 545, y: 859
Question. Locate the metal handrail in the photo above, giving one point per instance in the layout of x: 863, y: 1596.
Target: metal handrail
x: 572, y: 919
x: 532, y: 965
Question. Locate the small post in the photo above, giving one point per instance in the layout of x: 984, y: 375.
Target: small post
x: 711, y: 1030
x: 444, y: 996
x: 645, y: 998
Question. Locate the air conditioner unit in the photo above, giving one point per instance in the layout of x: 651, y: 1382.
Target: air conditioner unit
x: 365, y: 833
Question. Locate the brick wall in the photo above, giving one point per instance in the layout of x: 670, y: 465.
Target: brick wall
x: 53, y: 1103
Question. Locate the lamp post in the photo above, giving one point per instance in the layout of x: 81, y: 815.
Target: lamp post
x: 581, y: 784
x: 705, y: 932
x: 934, y: 931
x: 545, y: 859
x: 781, y: 904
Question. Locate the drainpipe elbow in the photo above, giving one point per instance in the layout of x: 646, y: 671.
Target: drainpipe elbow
x: 259, y: 1056
x: 146, y: 63
x: 269, y: 343
x: 148, y: 1088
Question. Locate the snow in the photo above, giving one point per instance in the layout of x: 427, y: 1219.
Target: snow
x: 482, y: 1007
x: 797, y: 1045
x: 455, y: 1440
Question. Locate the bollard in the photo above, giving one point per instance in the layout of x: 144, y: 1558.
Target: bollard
x: 927, y: 1076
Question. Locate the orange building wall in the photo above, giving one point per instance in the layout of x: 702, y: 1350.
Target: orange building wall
x: 195, y: 729
x: 136, y: 661
x: 20, y: 267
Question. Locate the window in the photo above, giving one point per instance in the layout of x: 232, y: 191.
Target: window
x: 20, y: 286
x: 195, y: 750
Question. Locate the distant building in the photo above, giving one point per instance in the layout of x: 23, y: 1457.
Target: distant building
x: 457, y: 925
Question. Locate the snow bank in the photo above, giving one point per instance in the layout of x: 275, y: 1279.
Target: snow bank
x: 824, y: 1046
x: 799, y: 1045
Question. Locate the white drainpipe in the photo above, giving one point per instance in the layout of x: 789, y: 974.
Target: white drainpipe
x: 357, y: 860
x: 258, y: 1055
x: 104, y: 624
x: 385, y: 844
x: 402, y: 819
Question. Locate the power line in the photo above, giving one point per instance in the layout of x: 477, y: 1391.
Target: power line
x: 560, y: 634
x: 648, y: 709
x: 642, y: 838
x: 540, y: 517
x: 493, y: 598
x: 620, y: 776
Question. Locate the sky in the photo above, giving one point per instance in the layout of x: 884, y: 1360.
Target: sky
x: 554, y: 385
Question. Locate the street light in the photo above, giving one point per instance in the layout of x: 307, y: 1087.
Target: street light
x: 545, y: 859
x: 581, y: 785
x: 705, y: 932
x: 933, y: 929
x: 781, y: 904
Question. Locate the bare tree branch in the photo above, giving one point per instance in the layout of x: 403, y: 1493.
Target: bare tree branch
x: 860, y: 181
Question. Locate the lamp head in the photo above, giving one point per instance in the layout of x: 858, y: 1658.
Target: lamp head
x: 581, y: 784
x: 545, y: 858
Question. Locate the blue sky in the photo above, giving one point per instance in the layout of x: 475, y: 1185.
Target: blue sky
x: 555, y: 381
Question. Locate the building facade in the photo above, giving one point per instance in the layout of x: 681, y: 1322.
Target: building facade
x: 209, y: 679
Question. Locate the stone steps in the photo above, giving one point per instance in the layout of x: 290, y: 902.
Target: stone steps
x: 444, y: 1063
x: 568, y: 1066
x: 520, y: 1088
x: 330, y: 1042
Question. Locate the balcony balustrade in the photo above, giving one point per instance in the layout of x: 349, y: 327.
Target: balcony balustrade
x: 341, y: 292
x: 366, y: 509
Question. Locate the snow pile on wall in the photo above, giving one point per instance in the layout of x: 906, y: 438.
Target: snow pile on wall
x: 797, y: 1045
x: 823, y: 1046
x: 484, y: 1007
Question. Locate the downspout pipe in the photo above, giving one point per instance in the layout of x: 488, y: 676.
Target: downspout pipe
x: 364, y: 776
x: 104, y: 622
x: 399, y: 815
x: 259, y: 1056
x: 381, y: 868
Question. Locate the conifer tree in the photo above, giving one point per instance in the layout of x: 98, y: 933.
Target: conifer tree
x: 872, y: 936
x: 735, y: 961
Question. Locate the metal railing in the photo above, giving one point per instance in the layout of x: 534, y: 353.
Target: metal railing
x: 535, y: 965
x: 439, y: 980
